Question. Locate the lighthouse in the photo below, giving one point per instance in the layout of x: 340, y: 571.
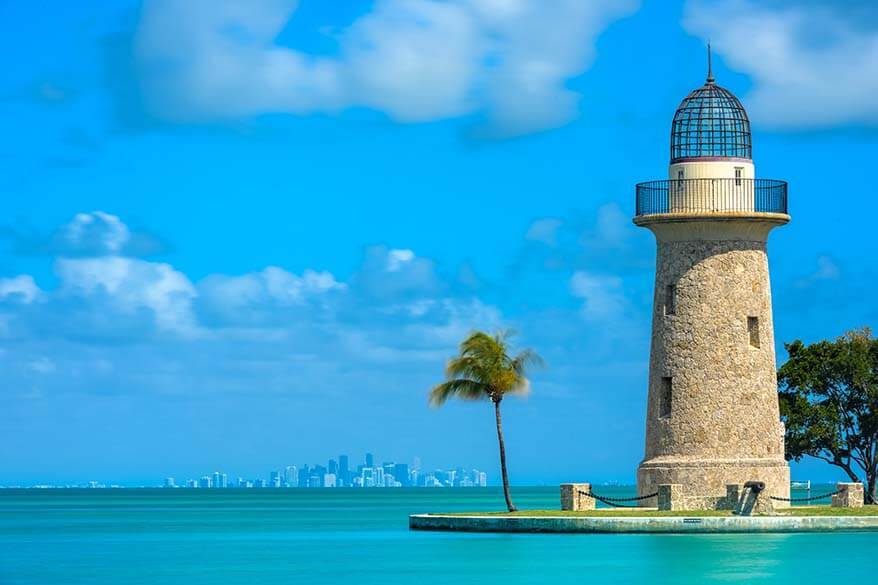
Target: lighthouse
x: 712, y: 416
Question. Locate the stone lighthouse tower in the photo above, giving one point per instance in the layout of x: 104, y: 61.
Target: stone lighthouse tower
x: 712, y: 415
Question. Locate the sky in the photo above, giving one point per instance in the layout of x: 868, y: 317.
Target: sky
x: 246, y: 234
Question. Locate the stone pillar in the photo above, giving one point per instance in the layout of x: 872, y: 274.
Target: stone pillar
x: 573, y: 497
x: 670, y: 497
x: 850, y: 495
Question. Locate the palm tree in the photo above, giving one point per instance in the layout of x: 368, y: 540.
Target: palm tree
x: 484, y: 370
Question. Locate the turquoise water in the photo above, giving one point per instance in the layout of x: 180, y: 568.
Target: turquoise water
x: 139, y: 536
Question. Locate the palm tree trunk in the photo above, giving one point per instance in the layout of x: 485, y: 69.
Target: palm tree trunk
x: 506, y: 494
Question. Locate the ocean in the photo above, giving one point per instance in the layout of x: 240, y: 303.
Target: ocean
x: 361, y: 537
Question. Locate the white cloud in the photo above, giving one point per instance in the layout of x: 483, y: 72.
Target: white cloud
x: 415, y: 60
x: 395, y: 300
x: 827, y: 270
x: 602, y: 296
x: 21, y: 288
x: 812, y: 64
x: 246, y: 296
x: 396, y: 259
x: 612, y: 227
x: 129, y: 285
x: 394, y: 273
x: 425, y: 330
x: 544, y: 230
x: 93, y: 233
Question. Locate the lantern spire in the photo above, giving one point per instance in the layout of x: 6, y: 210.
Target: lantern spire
x: 710, y: 77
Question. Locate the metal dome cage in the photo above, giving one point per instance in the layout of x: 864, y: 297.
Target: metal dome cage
x: 710, y: 123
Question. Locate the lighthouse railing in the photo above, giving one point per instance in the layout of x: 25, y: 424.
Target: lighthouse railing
x: 706, y: 196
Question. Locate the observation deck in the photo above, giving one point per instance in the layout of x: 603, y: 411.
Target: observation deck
x: 730, y: 198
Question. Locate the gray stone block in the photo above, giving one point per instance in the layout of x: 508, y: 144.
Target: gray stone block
x: 850, y: 495
x: 573, y: 497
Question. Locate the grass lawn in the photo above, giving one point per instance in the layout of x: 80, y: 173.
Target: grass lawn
x: 630, y: 513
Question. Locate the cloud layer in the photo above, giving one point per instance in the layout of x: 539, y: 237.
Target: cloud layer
x: 397, y: 307
x: 812, y: 63
x: 415, y: 60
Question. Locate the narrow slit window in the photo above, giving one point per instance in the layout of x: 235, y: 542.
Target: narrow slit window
x: 665, y: 397
x: 753, y: 331
x: 739, y: 171
x: 670, y: 299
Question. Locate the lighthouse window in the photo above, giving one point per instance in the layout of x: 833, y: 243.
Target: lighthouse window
x: 665, y: 397
x: 753, y: 331
x: 670, y: 299
x: 739, y: 171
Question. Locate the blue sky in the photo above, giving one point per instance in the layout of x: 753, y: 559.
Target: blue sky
x: 239, y: 235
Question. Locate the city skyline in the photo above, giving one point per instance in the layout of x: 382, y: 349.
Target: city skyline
x: 337, y: 473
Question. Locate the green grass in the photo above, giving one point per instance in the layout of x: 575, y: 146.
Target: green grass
x: 827, y: 511
x: 630, y: 513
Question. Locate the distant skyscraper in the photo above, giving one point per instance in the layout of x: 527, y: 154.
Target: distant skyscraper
x: 370, y: 460
x: 304, y: 476
x: 260, y: 483
x: 318, y: 472
x: 483, y: 479
x: 367, y: 477
x: 275, y: 479
x: 291, y: 476
x: 344, y: 470
x: 191, y: 483
x: 329, y: 480
x: 205, y: 481
x: 220, y: 480
x: 169, y: 482
x: 401, y: 473
x: 416, y: 464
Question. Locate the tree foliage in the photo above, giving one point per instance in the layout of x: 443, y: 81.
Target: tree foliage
x: 829, y: 403
x: 485, y: 370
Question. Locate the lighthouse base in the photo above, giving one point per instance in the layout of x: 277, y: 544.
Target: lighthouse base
x: 704, y: 481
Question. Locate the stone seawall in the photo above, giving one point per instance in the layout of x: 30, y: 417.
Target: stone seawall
x: 668, y: 524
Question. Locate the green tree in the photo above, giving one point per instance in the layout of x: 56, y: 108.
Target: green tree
x: 485, y: 370
x: 829, y: 403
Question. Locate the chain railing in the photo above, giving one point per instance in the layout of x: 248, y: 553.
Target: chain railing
x: 807, y: 499
x: 615, y: 502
